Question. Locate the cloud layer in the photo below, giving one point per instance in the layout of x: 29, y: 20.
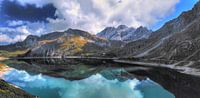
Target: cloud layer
x: 94, y: 15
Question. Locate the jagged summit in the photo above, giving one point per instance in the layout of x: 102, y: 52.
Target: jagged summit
x: 122, y: 27
x: 124, y: 33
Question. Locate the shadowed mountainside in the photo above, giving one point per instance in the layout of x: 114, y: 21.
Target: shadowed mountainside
x: 178, y: 40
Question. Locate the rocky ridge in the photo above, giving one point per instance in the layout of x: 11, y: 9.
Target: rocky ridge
x: 124, y: 33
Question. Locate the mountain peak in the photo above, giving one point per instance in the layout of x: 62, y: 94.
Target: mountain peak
x: 122, y: 27
x: 124, y: 33
x: 195, y: 12
x: 145, y: 29
x: 29, y: 37
x: 141, y: 27
x: 196, y: 8
x: 197, y: 4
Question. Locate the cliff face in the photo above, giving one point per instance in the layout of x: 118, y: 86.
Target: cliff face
x: 9, y: 91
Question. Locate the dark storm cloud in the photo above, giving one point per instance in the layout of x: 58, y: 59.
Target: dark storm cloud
x: 14, y: 11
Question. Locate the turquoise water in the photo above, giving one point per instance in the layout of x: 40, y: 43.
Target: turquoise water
x: 95, y: 86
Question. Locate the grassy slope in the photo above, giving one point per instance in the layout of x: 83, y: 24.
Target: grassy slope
x: 73, y: 45
x: 7, y: 54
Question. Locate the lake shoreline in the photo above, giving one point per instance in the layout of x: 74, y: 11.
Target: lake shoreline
x: 171, y: 79
x: 182, y: 69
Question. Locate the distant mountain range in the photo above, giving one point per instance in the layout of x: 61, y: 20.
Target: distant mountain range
x: 72, y: 42
x: 178, y: 39
x: 75, y: 42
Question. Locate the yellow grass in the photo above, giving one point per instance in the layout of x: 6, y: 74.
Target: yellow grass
x: 1, y: 65
x: 77, y: 41
x: 7, y: 54
x: 73, y: 44
x: 80, y: 41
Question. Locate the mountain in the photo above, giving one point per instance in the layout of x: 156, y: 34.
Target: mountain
x: 72, y: 42
x: 124, y: 33
x: 177, y: 40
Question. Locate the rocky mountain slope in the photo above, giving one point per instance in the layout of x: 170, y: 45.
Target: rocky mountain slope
x: 177, y: 40
x: 124, y: 33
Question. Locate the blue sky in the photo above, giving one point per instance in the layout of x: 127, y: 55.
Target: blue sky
x: 183, y: 5
x: 20, y: 18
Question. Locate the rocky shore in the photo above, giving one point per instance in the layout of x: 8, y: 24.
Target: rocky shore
x: 10, y: 91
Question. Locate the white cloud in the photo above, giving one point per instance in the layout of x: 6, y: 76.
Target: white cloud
x: 94, y: 15
x: 4, y: 38
x: 16, y: 23
x: 21, y: 30
x: 8, y: 39
x: 91, y: 15
x: 24, y: 28
x: 11, y: 35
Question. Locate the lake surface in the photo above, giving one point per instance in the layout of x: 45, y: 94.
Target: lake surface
x: 96, y: 86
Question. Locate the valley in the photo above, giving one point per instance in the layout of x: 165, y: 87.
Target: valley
x: 169, y: 56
